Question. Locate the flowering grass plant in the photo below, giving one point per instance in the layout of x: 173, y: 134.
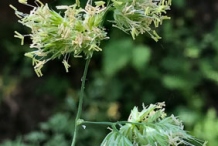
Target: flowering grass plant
x: 79, y: 31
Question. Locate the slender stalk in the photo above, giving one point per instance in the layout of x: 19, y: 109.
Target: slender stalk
x: 111, y: 123
x: 98, y: 123
x: 81, y: 97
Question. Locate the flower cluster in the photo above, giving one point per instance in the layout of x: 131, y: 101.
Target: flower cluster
x: 137, y: 16
x: 79, y: 32
x: 149, y: 127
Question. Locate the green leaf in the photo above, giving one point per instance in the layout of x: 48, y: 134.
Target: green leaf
x: 115, y: 138
x: 175, y: 82
x: 116, y: 56
x: 35, y: 136
x: 140, y: 57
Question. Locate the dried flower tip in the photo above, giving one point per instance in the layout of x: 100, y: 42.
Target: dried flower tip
x: 17, y: 13
x: 66, y: 65
x: 29, y: 54
x: 62, y: 7
x: 38, y: 67
x: 15, y: 9
x: 20, y: 36
x: 22, y: 1
x: 38, y: 1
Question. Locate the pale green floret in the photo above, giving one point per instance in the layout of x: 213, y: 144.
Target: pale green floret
x: 53, y: 36
x: 20, y: 36
x: 22, y: 1
x: 38, y: 1
x: 66, y: 65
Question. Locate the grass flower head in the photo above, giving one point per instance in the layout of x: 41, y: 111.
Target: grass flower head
x: 140, y: 16
x: 78, y: 31
x: 150, y: 127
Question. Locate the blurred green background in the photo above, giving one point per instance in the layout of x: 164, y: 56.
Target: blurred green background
x: 181, y: 69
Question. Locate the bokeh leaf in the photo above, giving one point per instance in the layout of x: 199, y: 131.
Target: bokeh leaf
x: 116, y: 56
x: 175, y: 82
x: 140, y: 57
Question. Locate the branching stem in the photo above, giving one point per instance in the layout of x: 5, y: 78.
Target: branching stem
x: 81, y: 97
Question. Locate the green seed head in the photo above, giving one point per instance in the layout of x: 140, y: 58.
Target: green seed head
x: 77, y: 32
x: 150, y: 127
x: 140, y: 16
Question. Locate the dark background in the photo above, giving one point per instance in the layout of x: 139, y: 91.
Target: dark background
x: 181, y: 69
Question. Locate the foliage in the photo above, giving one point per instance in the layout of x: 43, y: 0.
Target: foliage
x: 208, y: 128
x: 57, y: 130
x: 180, y: 69
x: 113, y: 61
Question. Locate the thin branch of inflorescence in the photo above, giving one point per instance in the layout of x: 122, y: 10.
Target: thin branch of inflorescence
x: 111, y: 123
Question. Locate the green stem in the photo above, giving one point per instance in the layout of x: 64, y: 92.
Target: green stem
x: 98, y: 123
x: 111, y: 123
x: 81, y: 97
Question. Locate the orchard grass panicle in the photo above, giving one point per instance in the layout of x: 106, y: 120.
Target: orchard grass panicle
x: 53, y: 36
x: 137, y: 16
x: 79, y: 30
x: 150, y: 127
